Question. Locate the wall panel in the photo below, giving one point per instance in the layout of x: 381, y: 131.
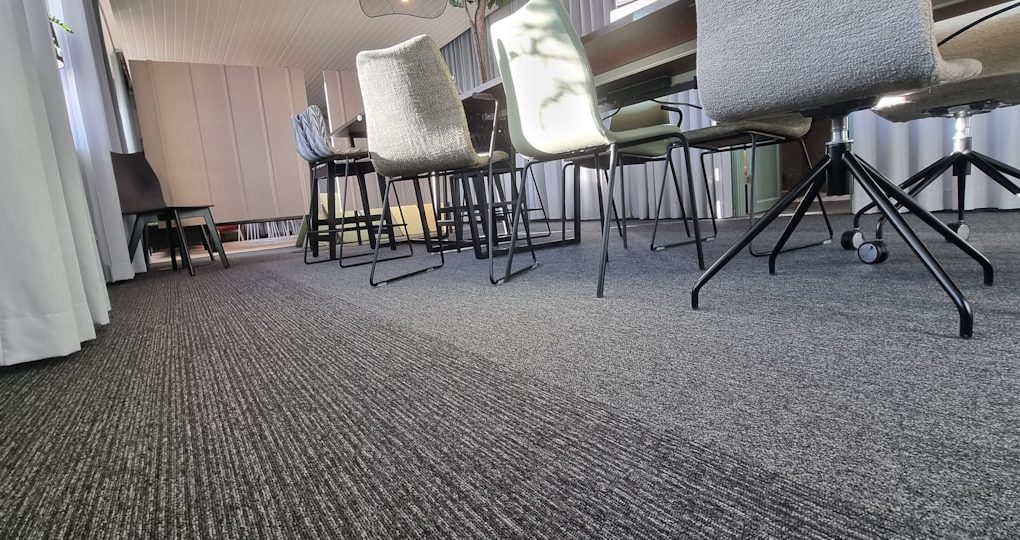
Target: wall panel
x: 221, y: 135
x: 216, y: 128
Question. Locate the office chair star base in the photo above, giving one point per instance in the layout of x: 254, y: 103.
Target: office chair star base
x: 960, y: 162
x: 840, y: 160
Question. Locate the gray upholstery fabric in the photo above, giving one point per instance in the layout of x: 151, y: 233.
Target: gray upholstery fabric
x: 416, y: 123
x: 300, y: 142
x: 763, y: 57
x: 996, y: 44
x: 787, y: 126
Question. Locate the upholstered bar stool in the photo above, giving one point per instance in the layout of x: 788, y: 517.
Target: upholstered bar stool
x: 552, y: 107
x: 995, y: 42
x: 826, y: 59
x: 329, y: 163
x: 416, y: 129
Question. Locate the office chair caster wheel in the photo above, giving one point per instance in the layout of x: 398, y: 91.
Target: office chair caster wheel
x: 851, y: 240
x: 873, y: 252
x: 961, y: 230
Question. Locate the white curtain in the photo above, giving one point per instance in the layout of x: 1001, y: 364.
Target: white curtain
x: 94, y: 126
x: 52, y: 290
x: 900, y: 150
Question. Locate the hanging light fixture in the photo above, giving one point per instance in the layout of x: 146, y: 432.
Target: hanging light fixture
x: 425, y: 9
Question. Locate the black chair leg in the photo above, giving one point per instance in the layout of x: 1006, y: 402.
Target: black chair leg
x: 614, y: 156
x: 817, y: 174
x: 903, y: 199
x: 170, y: 241
x: 877, y: 191
x: 214, y: 237
x: 185, y: 255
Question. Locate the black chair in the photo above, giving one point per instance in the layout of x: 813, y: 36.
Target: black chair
x: 141, y: 196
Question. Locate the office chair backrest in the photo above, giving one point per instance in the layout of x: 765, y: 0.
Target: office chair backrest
x: 550, y: 91
x: 416, y: 123
x: 137, y: 184
x: 300, y: 141
x: 760, y: 57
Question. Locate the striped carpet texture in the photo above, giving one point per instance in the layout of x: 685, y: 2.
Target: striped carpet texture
x: 278, y: 400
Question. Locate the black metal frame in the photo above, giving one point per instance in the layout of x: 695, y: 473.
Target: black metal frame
x: 749, y: 196
x: 333, y: 228
x: 614, y: 162
x: 960, y: 162
x: 170, y: 216
x: 840, y: 160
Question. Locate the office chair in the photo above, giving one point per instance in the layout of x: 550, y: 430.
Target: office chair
x: 826, y: 59
x: 994, y: 42
x: 140, y: 195
x: 551, y: 104
x: 417, y: 128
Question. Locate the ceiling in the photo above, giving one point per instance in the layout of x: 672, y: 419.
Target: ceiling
x: 311, y: 35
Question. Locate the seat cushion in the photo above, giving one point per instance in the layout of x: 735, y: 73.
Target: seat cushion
x: 661, y: 135
x: 356, y: 152
x: 787, y: 126
x: 484, y: 158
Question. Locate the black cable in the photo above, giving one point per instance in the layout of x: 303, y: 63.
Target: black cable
x: 681, y: 103
x: 977, y: 22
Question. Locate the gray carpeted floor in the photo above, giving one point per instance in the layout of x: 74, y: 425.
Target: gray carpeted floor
x: 278, y: 399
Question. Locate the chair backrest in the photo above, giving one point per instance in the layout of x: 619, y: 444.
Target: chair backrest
x: 416, y: 123
x: 137, y: 184
x: 316, y: 133
x: 760, y: 57
x: 551, y: 103
x: 300, y: 141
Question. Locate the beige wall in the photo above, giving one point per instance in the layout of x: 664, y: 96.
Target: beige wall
x: 222, y: 135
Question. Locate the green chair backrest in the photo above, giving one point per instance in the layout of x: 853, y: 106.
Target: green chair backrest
x: 551, y: 103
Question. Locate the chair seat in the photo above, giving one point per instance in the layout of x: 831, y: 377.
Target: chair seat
x: 649, y: 149
x: 977, y: 95
x: 787, y: 126
x: 356, y: 152
x: 484, y: 158
x: 994, y: 43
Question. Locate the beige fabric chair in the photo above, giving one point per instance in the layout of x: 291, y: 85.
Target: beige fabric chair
x: 995, y: 42
x: 416, y: 128
x: 551, y: 103
x: 826, y: 58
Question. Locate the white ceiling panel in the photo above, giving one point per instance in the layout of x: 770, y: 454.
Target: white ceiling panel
x: 311, y: 35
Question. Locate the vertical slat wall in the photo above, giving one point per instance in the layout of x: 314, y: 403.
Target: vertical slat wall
x: 222, y: 135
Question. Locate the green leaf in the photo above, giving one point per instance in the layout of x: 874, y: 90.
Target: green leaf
x: 61, y: 24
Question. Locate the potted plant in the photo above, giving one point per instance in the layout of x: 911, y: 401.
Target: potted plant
x: 476, y: 18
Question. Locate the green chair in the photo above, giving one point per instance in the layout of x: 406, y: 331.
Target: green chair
x: 552, y: 108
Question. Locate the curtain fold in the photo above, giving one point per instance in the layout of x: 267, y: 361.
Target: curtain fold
x: 52, y: 291
x: 900, y: 150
